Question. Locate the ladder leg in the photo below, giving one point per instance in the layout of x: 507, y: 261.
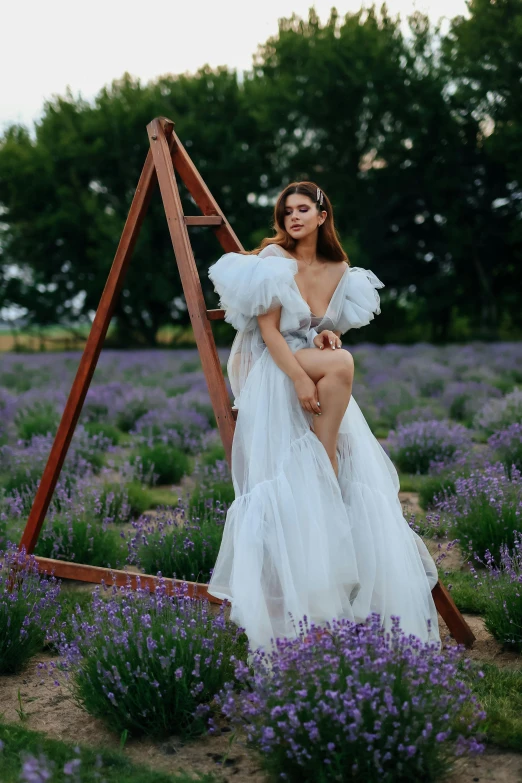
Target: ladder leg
x: 90, y: 356
x: 449, y: 612
x: 188, y: 271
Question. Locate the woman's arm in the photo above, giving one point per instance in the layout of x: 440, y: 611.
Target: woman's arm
x: 280, y: 352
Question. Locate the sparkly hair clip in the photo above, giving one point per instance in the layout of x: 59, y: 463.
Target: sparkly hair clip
x: 320, y: 197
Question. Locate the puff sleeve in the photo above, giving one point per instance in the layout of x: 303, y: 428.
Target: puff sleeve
x: 251, y: 285
x: 361, y: 302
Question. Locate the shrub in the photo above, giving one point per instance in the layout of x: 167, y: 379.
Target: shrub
x: 435, y: 486
x: 499, y: 414
x: 213, y: 483
x: 178, y: 545
x: 355, y: 706
x: 392, y: 399
x: 109, y: 431
x: 214, y: 454
x: 508, y: 446
x: 147, y: 661
x: 78, y: 537
x: 177, y: 424
x: 485, y: 509
x: 121, y: 501
x: 168, y: 463
x: 40, y: 418
x: 463, y: 399
x: 503, y: 610
x: 28, y: 608
x: 414, y: 446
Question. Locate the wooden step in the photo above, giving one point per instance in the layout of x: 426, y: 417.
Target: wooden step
x: 203, y: 220
x: 215, y: 315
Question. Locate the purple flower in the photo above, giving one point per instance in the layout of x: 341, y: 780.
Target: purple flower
x: 375, y: 716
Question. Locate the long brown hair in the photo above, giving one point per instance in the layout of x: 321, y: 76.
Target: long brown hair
x: 328, y: 244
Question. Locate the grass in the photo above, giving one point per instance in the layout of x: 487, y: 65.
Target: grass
x: 467, y: 596
x: 161, y: 496
x: 500, y: 694
x: 115, y: 767
x: 411, y: 482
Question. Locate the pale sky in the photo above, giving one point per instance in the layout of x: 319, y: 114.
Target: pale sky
x: 47, y: 45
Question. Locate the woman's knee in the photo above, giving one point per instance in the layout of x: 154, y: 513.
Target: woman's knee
x: 342, y: 365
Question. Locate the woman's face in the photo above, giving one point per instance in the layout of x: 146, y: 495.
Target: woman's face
x: 301, y: 216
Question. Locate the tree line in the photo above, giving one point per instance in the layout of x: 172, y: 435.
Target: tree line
x: 416, y: 137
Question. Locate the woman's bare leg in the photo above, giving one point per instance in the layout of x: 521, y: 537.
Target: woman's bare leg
x: 332, y: 372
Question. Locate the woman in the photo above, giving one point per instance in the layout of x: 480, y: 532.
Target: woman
x: 316, y: 528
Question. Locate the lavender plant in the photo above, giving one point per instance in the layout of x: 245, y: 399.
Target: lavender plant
x: 503, y: 580
x: 147, y: 661
x: 179, y: 423
x: 165, y: 464
x: 356, y: 705
x: 213, y: 483
x: 28, y: 608
x: 499, y: 414
x: 463, y: 399
x: 179, y: 544
x: 40, y: 418
x: 414, y: 446
x: 77, y: 536
x: 507, y: 444
x: 485, y: 509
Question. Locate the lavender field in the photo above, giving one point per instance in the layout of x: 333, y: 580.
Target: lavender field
x: 145, y: 486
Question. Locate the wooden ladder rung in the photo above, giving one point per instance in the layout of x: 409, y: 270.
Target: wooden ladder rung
x: 203, y: 220
x: 215, y: 315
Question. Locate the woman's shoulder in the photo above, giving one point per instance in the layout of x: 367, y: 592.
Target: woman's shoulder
x: 273, y: 250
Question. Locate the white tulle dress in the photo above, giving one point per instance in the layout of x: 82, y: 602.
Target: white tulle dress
x: 297, y: 539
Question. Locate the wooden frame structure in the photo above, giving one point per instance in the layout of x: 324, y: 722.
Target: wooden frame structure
x: 166, y: 158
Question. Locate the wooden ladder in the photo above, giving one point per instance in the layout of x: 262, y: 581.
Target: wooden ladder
x: 165, y: 158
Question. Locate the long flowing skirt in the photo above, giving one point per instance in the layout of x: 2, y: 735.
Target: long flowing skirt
x: 299, y: 541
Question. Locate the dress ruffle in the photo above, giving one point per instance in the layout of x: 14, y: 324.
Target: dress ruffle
x: 361, y: 301
x: 249, y: 286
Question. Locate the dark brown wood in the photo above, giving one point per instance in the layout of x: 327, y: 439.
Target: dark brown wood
x: 204, y: 220
x: 449, y: 612
x: 215, y: 315
x: 95, y: 575
x: 90, y: 355
x: 197, y: 309
x: 203, y: 197
x: 166, y: 156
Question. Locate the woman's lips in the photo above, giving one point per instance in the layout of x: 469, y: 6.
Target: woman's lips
x: 296, y: 228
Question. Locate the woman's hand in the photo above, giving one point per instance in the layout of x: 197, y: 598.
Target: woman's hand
x: 327, y: 339
x: 306, y: 391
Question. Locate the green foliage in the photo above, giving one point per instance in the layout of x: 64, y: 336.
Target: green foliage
x: 482, y: 525
x: 203, y: 496
x: 414, y: 196
x: 95, y: 763
x: 464, y: 591
x: 502, y: 615
x: 109, y: 431
x: 81, y: 539
x: 212, y: 455
x: 147, y: 662
x: 433, y: 486
x: 184, y: 549
x: 40, y: 418
x: 28, y: 609
x: 169, y: 463
x: 120, y: 500
x: 500, y: 692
